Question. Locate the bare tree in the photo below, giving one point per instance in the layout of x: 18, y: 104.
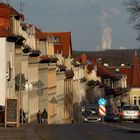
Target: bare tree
x: 133, y: 7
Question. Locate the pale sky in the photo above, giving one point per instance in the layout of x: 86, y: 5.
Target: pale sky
x: 86, y: 19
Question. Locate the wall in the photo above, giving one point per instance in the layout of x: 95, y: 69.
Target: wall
x: 60, y: 98
x: 7, y: 70
x: 10, y: 58
x: 3, y: 71
x: 135, y: 92
x: 50, y: 49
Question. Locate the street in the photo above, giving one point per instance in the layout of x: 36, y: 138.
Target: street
x: 88, y: 131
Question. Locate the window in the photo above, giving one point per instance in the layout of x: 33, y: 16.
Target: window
x: 107, y: 82
x: 57, y: 39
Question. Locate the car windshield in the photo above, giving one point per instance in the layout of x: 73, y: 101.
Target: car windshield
x: 89, y: 113
x: 130, y: 108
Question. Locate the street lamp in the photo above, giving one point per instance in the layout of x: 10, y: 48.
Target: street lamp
x: 28, y: 87
x: 53, y: 101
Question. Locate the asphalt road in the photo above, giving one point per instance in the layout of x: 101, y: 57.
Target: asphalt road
x: 89, y: 131
x: 94, y: 131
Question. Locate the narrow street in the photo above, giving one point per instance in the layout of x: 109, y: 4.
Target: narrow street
x: 89, y: 131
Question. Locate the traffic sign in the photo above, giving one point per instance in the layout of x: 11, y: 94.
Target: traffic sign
x: 102, y: 110
x: 102, y: 102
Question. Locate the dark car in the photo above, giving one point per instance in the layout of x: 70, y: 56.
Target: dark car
x: 110, y: 117
x: 2, y: 114
x: 91, y: 114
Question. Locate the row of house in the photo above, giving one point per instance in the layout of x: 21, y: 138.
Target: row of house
x: 39, y: 70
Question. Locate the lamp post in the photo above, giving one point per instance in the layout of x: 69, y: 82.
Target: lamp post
x: 28, y: 87
x: 53, y: 101
x: 20, y: 81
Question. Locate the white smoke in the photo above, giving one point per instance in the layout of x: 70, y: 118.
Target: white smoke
x: 107, y: 31
x: 106, y: 39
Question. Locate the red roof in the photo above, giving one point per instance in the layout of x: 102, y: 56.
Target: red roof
x: 39, y: 34
x: 125, y: 71
x: 103, y: 71
x: 133, y: 73
x: 57, y: 48
x: 44, y: 57
x: 65, y: 41
x: 5, y: 33
x: 7, y: 11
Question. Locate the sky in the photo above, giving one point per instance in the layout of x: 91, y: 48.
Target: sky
x: 92, y: 23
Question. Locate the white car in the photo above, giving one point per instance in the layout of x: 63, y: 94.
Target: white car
x: 130, y: 112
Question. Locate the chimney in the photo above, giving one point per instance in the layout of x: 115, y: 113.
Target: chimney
x: 84, y: 59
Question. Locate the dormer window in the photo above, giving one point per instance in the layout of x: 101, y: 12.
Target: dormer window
x: 57, y: 39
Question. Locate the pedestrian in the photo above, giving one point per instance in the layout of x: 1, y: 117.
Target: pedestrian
x: 44, y: 116
x: 39, y: 117
x: 115, y: 111
x: 22, y: 116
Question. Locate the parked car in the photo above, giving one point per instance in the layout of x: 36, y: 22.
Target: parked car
x: 130, y: 112
x: 2, y: 114
x: 90, y: 116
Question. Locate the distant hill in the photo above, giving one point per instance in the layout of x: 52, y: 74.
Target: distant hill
x: 112, y: 57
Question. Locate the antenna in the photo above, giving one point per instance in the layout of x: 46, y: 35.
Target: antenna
x: 21, y: 6
x: 7, y: 1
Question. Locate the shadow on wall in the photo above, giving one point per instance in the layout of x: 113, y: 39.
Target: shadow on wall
x: 93, y: 94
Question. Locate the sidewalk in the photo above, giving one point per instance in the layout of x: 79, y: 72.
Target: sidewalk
x: 24, y: 132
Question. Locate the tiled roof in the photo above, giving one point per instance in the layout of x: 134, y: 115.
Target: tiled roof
x: 39, y: 34
x: 5, y: 33
x: 125, y: 71
x: 47, y: 59
x: 64, y: 46
x: 57, y: 48
x: 101, y: 70
x: 34, y: 53
x: 9, y: 11
x: 65, y: 41
x: 133, y: 73
x: 62, y: 67
x: 44, y: 57
x: 69, y: 73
